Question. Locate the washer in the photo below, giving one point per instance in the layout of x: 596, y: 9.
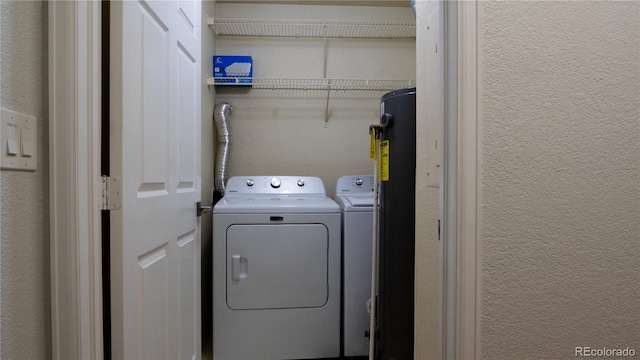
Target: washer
x: 276, y: 270
x: 354, y: 194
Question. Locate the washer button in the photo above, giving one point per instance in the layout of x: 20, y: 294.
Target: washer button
x: 275, y: 182
x: 301, y: 182
x: 359, y: 182
x: 249, y: 182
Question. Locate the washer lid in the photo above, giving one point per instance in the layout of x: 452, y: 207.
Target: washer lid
x: 355, y: 192
x: 353, y: 202
x: 278, y: 204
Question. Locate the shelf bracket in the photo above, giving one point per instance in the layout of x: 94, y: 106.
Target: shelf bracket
x: 326, y: 107
x: 324, y: 75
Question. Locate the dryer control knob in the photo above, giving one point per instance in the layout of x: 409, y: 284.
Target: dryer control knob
x: 275, y: 182
x: 300, y: 182
x: 249, y: 182
x: 359, y: 182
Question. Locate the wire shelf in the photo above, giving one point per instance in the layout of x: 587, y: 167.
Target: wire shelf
x: 312, y: 28
x: 312, y: 84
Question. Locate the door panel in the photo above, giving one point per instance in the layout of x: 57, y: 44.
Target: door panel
x: 187, y: 120
x: 187, y: 282
x: 153, y: 275
x: 154, y: 44
x: 155, y: 114
x: 277, y: 266
x: 189, y: 12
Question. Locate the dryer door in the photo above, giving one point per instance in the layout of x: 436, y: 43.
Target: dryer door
x: 277, y: 266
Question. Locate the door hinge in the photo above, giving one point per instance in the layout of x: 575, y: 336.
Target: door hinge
x: 203, y: 209
x: 111, y: 193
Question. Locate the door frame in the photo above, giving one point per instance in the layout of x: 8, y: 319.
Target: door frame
x: 74, y: 174
x: 74, y: 150
x: 460, y: 251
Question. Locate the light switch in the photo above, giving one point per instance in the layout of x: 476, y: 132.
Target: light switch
x: 26, y: 141
x: 12, y: 136
x: 18, y: 134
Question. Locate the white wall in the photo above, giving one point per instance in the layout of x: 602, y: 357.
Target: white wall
x: 560, y: 183
x: 427, y: 190
x: 25, y: 314
x: 283, y: 133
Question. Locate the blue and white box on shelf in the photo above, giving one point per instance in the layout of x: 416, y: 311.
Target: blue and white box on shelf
x: 232, y: 69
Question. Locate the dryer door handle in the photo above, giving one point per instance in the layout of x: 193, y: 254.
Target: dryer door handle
x: 239, y: 267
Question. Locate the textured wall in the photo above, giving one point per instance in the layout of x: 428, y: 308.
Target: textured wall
x: 25, y: 314
x: 560, y: 187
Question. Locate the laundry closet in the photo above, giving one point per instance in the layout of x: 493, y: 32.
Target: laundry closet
x: 313, y: 97
x: 318, y: 70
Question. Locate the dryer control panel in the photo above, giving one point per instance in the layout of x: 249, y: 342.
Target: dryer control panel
x: 275, y: 185
x: 353, y: 184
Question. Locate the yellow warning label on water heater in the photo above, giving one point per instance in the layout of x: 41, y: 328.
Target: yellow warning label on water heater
x: 384, y: 160
x: 372, y: 145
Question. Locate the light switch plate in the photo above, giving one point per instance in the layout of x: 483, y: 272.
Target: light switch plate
x: 18, y: 133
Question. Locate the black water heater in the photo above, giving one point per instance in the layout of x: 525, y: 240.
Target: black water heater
x: 395, y: 311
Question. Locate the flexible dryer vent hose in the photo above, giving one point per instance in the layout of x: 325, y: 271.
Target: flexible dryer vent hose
x: 221, y: 118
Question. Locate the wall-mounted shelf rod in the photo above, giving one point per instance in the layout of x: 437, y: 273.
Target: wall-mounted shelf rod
x: 312, y: 28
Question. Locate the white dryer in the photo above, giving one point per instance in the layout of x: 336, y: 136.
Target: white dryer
x: 354, y: 194
x: 276, y: 270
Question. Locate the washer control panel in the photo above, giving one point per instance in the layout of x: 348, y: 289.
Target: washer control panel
x: 273, y: 185
x: 353, y: 184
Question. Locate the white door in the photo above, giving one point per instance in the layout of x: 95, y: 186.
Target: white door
x: 155, y: 149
